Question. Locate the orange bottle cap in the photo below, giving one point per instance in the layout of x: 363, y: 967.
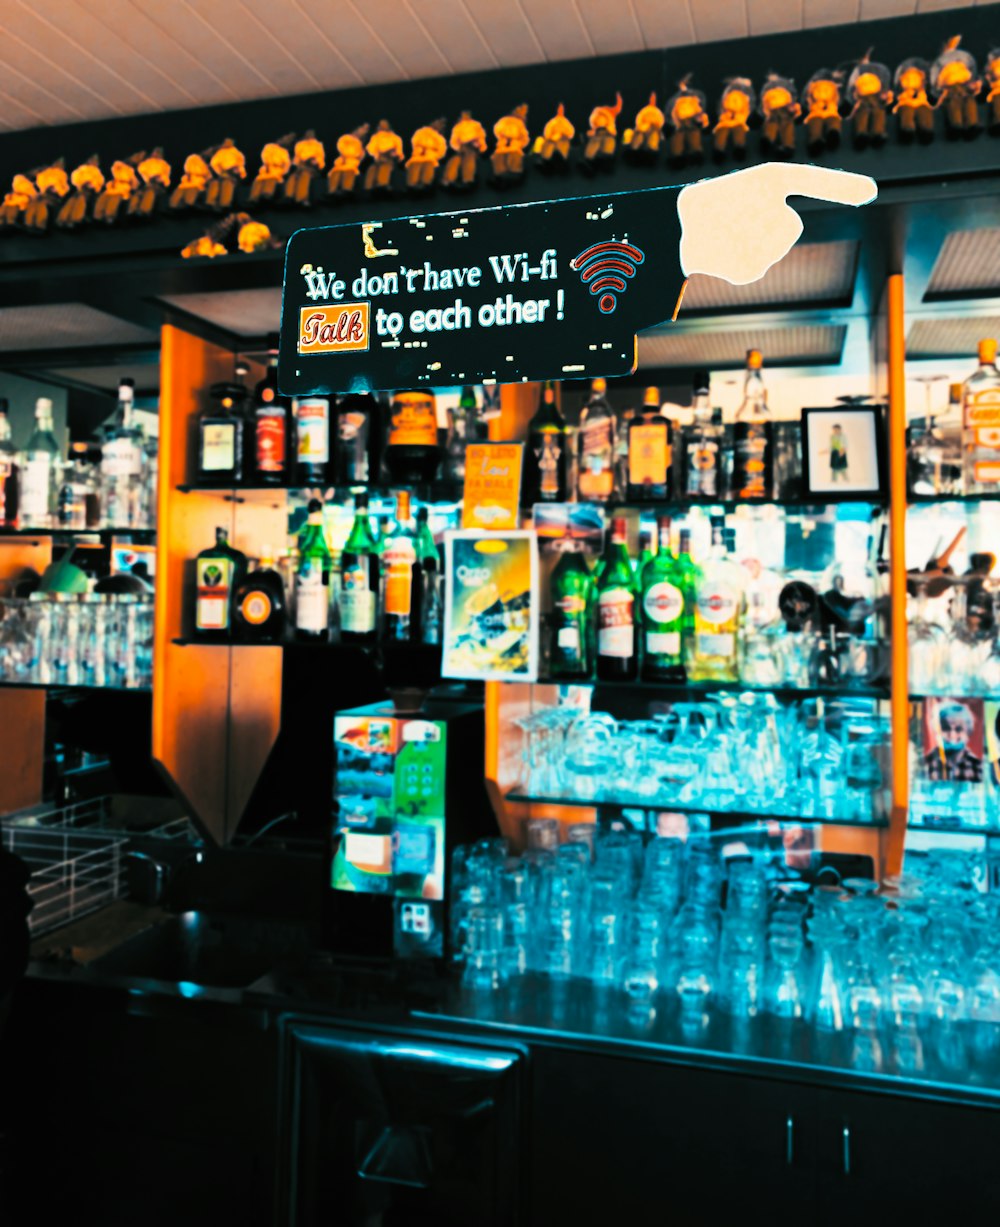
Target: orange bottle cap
x: 599, y: 385
x: 652, y: 397
x: 755, y: 359
x: 988, y: 350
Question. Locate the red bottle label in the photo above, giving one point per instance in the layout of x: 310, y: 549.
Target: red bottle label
x: 271, y: 442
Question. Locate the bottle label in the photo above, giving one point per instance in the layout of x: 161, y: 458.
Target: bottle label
x: 255, y: 608
x: 36, y: 476
x: 648, y: 454
x: 357, y: 602
x: 218, y: 447
x: 270, y: 441
x: 616, y: 623
x: 312, y: 601
x: 351, y: 427
x: 413, y: 421
x: 716, y: 603
x: 663, y: 643
x: 597, y: 474
x: 986, y: 471
x: 312, y: 431
x: 983, y: 409
x: 751, y: 459
x: 399, y: 558
x: 720, y: 643
x: 547, y: 447
x: 568, y: 640
x: 121, y: 458
x: 213, y: 577
x: 703, y: 468
x: 663, y: 602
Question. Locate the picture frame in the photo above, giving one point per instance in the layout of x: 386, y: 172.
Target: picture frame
x: 844, y: 453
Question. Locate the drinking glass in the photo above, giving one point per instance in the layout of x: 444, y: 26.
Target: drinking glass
x: 484, y: 967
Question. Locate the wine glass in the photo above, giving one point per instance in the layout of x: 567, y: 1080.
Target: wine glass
x: 927, y: 644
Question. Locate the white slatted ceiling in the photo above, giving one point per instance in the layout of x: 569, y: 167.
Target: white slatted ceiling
x: 62, y: 325
x: 68, y: 60
x: 968, y: 263
x: 789, y: 346
x: 942, y: 338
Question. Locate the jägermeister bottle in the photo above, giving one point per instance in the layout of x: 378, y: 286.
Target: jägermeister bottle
x: 572, y: 595
x: 616, y: 640
x: 218, y: 570
x: 359, y: 579
x: 663, y: 608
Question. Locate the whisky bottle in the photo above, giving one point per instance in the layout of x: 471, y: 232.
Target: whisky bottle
x: 649, y: 451
x: 8, y: 472
x: 311, y: 416
x: 220, y: 437
x: 270, y: 428
x: 40, y: 470
x: 981, y: 423
x: 570, y: 655
x: 412, y: 453
x: 663, y: 609
x: 218, y: 570
x: 702, y: 445
x: 616, y: 639
x: 402, y: 576
x: 754, y: 453
x: 717, y: 607
x: 359, y: 583
x: 546, y: 458
x: 356, y: 426
x: 312, y: 579
x: 596, y: 447
x: 122, y: 457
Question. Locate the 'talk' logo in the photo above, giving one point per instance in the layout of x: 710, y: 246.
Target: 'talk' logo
x: 335, y: 329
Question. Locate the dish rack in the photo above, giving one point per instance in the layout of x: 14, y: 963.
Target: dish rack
x: 76, y: 858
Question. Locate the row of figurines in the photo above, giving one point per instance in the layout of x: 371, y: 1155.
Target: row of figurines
x: 291, y: 169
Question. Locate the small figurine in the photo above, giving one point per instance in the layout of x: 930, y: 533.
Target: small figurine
x: 52, y: 183
x: 780, y: 109
x: 916, y: 117
x: 350, y: 154
x: 87, y: 182
x: 992, y: 75
x: 16, y: 201
x: 308, y: 162
x: 513, y: 139
x: 385, y: 148
x: 253, y: 235
x: 228, y: 166
x: 602, y: 137
x: 210, y: 244
x: 154, y: 172
x: 688, y: 118
x: 427, y: 148
x: 552, y: 147
x: 822, y: 117
x: 118, y: 189
x: 193, y: 182
x: 468, y: 141
x: 735, y: 108
x: 956, y: 81
x: 868, y: 90
x: 275, y: 163
x: 643, y: 140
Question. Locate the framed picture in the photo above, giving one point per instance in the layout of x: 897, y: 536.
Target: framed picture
x: 843, y: 453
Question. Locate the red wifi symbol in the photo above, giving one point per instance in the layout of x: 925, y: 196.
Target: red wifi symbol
x: 606, y: 266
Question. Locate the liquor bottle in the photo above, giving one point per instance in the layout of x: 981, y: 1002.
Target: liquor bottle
x: 8, y: 472
x: 616, y: 641
x: 40, y: 470
x: 663, y: 608
x: 71, y: 508
x: 359, y: 582
x: 412, y: 453
x: 649, y: 451
x: 754, y: 453
x: 220, y: 436
x: 465, y: 426
x: 312, y: 579
x: 259, y: 614
x: 122, y: 457
x: 431, y: 601
x: 356, y: 423
x: 717, y: 603
x: 218, y: 571
x: 647, y: 549
x: 311, y: 415
x: 270, y: 428
x: 690, y: 578
x: 572, y: 587
x: 403, y: 578
x: 426, y: 546
x: 981, y: 423
x: 546, y: 458
x: 702, y: 445
x: 596, y: 447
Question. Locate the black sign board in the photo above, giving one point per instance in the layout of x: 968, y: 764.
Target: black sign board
x: 550, y: 290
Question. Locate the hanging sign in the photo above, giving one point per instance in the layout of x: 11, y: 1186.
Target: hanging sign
x: 556, y: 289
x: 492, y: 491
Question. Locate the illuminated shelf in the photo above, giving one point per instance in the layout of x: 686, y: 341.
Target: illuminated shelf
x: 62, y: 534
x: 426, y: 492
x: 16, y: 685
x: 954, y: 828
x: 797, y: 503
x: 924, y: 500
x: 675, y: 689
x: 668, y: 806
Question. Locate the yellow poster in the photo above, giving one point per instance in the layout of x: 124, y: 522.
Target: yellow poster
x: 492, y: 485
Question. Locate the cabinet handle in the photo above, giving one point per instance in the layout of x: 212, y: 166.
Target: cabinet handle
x: 846, y: 1156
x: 789, y: 1141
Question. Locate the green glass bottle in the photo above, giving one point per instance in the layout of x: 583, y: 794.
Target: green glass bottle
x: 616, y: 642
x: 571, y: 654
x: 359, y: 582
x: 663, y: 613
x: 312, y: 580
x: 647, y: 550
x: 426, y: 548
x: 218, y: 570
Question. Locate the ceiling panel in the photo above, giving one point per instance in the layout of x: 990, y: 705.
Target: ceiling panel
x: 787, y: 346
x: 67, y: 60
x: 950, y: 338
x: 968, y: 263
x: 811, y: 272
x: 64, y: 325
x: 248, y: 313
x: 107, y: 378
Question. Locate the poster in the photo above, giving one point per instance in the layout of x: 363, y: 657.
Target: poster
x: 993, y: 744
x: 954, y: 742
x: 492, y: 492
x: 491, y: 606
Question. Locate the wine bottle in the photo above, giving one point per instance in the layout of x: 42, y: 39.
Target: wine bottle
x: 359, y: 583
x: 312, y: 579
x: 616, y: 640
